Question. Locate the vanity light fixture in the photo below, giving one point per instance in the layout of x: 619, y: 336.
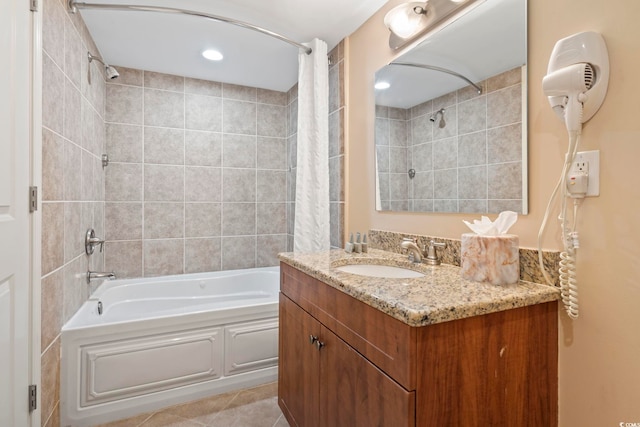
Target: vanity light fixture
x: 212, y: 55
x: 382, y: 85
x: 409, y: 21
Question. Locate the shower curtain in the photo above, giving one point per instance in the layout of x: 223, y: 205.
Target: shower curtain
x: 311, y: 232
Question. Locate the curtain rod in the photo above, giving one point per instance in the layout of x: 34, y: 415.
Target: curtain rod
x: 442, y: 70
x: 74, y: 5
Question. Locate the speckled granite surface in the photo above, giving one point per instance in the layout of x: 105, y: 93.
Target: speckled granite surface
x: 529, y: 268
x: 441, y: 295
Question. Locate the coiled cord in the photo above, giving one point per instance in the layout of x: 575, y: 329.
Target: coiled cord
x: 568, y: 282
x: 567, y: 270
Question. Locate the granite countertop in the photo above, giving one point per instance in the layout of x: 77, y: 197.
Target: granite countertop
x: 441, y: 295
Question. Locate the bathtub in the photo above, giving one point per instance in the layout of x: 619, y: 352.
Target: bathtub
x: 139, y: 345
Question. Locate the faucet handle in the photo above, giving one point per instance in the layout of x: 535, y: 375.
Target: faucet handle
x: 432, y: 256
x: 91, y: 241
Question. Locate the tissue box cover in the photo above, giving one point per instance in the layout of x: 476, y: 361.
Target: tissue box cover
x: 491, y: 259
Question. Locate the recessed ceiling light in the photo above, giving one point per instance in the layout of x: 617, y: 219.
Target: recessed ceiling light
x: 212, y: 55
x: 382, y: 85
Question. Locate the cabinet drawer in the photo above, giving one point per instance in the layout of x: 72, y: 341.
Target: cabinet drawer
x: 386, y: 342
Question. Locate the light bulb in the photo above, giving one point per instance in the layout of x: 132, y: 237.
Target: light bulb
x: 212, y: 55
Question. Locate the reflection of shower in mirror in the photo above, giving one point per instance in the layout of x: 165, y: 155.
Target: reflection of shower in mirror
x: 434, y: 117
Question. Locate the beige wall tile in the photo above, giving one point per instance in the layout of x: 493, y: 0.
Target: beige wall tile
x: 238, y: 252
x: 163, y: 183
x: 203, y: 113
x: 239, y: 117
x: 203, y: 148
x: 163, y: 81
x: 163, y: 145
x: 202, y: 255
x: 124, y: 143
x: 51, y: 302
x: 239, y: 151
x: 52, y: 236
x: 203, y: 219
x: 163, y: 220
x: 242, y: 93
x: 162, y: 257
x: 123, y: 182
x: 202, y: 87
x: 163, y: 108
x: 52, y: 93
x: 123, y: 221
x: 50, y: 379
x: 124, y: 104
x: 124, y: 258
x: 268, y: 248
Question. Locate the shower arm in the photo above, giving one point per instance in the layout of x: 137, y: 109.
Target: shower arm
x: 440, y: 69
x: 75, y: 5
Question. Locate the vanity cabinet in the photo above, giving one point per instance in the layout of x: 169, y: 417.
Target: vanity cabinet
x: 325, y: 382
x: 345, y: 363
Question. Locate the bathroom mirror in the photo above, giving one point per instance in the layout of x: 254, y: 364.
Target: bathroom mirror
x: 440, y: 145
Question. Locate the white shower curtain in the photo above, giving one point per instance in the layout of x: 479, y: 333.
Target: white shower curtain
x: 311, y: 232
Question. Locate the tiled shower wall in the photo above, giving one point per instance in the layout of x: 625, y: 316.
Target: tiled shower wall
x: 336, y: 149
x: 472, y: 164
x: 197, y: 179
x: 72, y: 182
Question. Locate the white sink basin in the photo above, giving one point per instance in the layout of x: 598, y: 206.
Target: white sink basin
x: 374, y: 270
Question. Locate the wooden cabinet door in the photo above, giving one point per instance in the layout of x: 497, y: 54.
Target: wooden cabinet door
x: 354, y: 392
x: 298, y: 365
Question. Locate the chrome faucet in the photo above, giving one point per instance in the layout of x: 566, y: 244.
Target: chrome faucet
x: 91, y: 241
x: 427, y: 254
x: 411, y: 245
x: 94, y: 275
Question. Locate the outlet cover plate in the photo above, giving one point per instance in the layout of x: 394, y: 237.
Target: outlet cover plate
x: 593, y: 159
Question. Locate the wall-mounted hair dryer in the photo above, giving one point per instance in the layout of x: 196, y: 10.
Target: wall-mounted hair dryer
x: 577, y: 78
x: 576, y: 84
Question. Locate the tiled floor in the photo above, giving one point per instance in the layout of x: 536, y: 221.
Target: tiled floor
x: 254, y: 407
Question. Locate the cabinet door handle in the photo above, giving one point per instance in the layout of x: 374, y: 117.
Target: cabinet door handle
x: 312, y: 339
x: 319, y: 344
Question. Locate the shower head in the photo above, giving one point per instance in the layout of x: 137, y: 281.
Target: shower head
x: 110, y: 71
x: 434, y: 116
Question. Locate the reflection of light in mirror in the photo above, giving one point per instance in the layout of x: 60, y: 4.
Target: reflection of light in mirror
x: 382, y: 85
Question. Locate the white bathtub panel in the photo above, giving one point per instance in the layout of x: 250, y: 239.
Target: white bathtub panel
x: 129, y: 368
x: 250, y: 346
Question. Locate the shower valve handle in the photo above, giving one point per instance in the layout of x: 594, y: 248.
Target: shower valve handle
x: 91, y: 241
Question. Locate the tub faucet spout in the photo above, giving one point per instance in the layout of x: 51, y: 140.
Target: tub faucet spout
x: 95, y: 275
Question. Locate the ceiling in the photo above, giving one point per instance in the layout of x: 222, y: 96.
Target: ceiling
x: 490, y: 39
x: 173, y: 44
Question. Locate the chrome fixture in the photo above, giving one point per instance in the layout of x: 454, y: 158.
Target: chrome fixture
x: 91, y: 241
x: 432, y: 256
x: 100, y: 307
x: 440, y: 69
x: 105, y: 160
x: 415, y: 254
x: 409, y: 21
x: 75, y: 5
x: 412, y: 173
x: 111, y: 72
x: 434, y: 117
x: 95, y: 275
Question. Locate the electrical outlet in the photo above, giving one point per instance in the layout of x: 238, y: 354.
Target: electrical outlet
x: 588, y: 162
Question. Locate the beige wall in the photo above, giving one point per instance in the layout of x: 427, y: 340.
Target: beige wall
x: 599, y: 369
